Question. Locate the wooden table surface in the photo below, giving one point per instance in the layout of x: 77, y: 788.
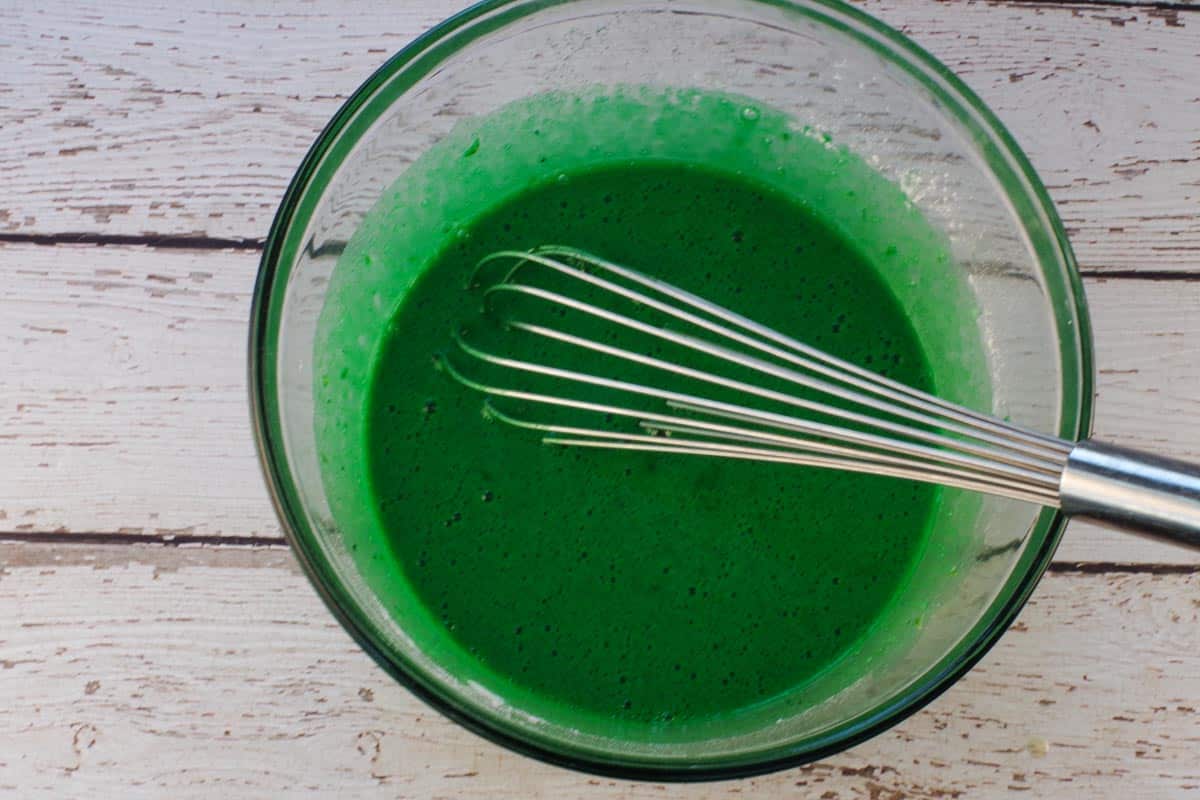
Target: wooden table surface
x: 156, y: 636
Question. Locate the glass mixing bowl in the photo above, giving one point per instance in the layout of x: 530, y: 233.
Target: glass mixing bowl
x: 834, y: 70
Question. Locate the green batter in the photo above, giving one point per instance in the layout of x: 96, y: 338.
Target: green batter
x: 645, y: 589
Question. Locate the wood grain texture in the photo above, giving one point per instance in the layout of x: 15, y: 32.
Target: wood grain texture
x: 181, y: 119
x: 167, y: 672
x: 125, y: 403
x: 125, y: 407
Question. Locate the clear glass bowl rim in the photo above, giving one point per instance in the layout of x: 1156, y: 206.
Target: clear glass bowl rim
x: 275, y: 265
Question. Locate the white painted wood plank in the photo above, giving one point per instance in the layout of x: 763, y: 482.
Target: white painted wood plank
x: 123, y: 405
x: 167, y: 672
x: 129, y: 118
x: 184, y: 119
x: 1096, y: 98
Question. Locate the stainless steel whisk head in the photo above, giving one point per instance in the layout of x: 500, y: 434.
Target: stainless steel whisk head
x: 603, y: 356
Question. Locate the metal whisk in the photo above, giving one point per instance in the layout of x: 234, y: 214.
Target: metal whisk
x: 737, y: 389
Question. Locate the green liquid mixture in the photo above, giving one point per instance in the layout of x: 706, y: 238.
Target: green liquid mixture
x: 647, y: 585
x: 641, y: 588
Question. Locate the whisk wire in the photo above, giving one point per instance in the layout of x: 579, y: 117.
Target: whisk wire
x: 897, y: 431
x: 860, y: 462
x: 978, y: 468
x: 820, y: 361
x: 1038, y: 461
x: 801, y: 355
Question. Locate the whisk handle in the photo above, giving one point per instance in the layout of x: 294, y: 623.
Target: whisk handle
x: 1142, y: 493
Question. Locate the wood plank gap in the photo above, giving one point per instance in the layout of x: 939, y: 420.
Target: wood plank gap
x: 160, y: 539
x: 1141, y: 275
x: 267, y: 542
x: 257, y: 245
x: 116, y: 240
x: 1120, y: 568
x: 1133, y: 5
